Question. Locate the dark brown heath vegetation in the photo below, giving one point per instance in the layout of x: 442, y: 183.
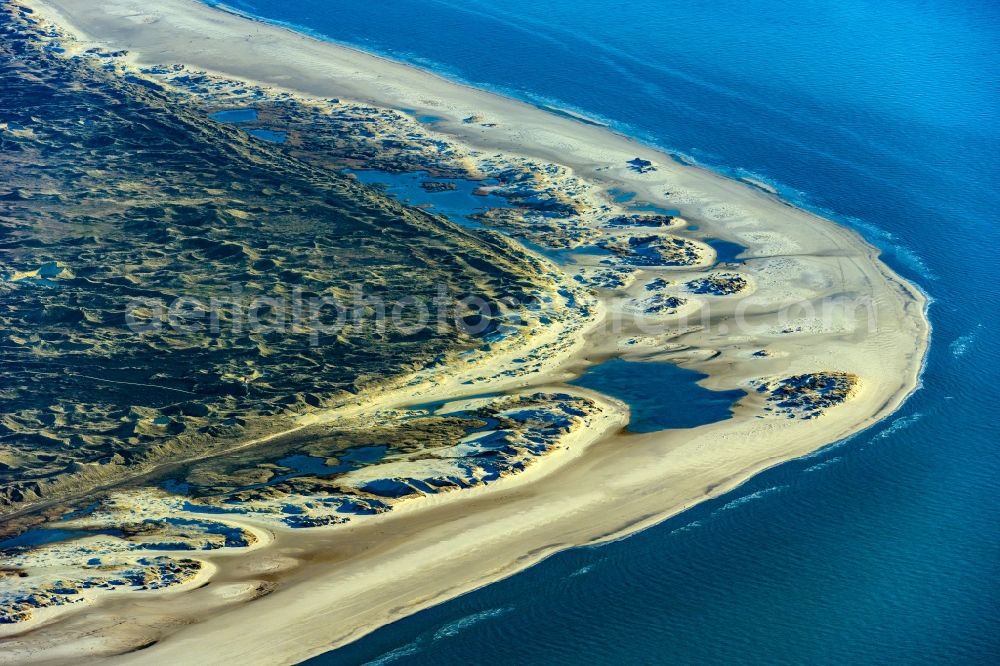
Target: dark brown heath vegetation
x: 113, y: 189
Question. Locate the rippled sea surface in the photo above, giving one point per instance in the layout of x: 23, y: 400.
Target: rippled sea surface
x: 886, y: 116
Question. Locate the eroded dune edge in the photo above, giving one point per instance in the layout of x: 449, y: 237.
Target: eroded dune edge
x: 282, y: 488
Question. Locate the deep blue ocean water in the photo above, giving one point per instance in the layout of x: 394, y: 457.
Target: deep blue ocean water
x: 885, y: 115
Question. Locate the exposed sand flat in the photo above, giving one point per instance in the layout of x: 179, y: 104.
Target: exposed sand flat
x: 327, y: 588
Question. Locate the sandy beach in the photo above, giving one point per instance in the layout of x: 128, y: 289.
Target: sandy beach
x: 302, y: 592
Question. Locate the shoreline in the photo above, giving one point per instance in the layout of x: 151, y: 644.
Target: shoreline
x: 642, y: 488
x: 568, y: 113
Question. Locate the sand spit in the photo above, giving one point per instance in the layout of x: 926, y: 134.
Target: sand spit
x: 812, y: 376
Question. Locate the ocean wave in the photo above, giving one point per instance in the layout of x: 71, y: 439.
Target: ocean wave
x: 621, y: 59
x: 909, y: 257
x: 398, y: 653
x: 901, y: 423
x: 826, y: 463
x: 881, y: 238
x: 830, y: 447
x: 405, y: 57
x: 582, y: 571
x: 243, y: 6
x: 446, y: 631
x: 560, y: 107
x: 884, y: 239
x: 740, y: 501
x: 454, y: 628
x: 233, y: 8
x: 518, y: 25
x: 687, y: 528
x: 961, y: 345
x: 878, y: 236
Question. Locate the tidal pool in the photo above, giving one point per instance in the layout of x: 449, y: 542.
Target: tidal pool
x: 457, y: 204
x: 234, y: 116
x: 728, y: 252
x: 661, y: 396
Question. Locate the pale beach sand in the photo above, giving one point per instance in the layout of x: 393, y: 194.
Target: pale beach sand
x: 328, y: 587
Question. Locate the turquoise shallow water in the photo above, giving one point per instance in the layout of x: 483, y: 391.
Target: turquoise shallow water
x: 882, y: 549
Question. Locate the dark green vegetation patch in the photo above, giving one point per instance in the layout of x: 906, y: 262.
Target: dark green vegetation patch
x: 113, y: 191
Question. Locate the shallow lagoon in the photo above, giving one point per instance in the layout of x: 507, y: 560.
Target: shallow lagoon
x: 726, y: 252
x: 41, y: 536
x: 234, y: 116
x: 456, y: 204
x: 268, y: 135
x: 660, y: 396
